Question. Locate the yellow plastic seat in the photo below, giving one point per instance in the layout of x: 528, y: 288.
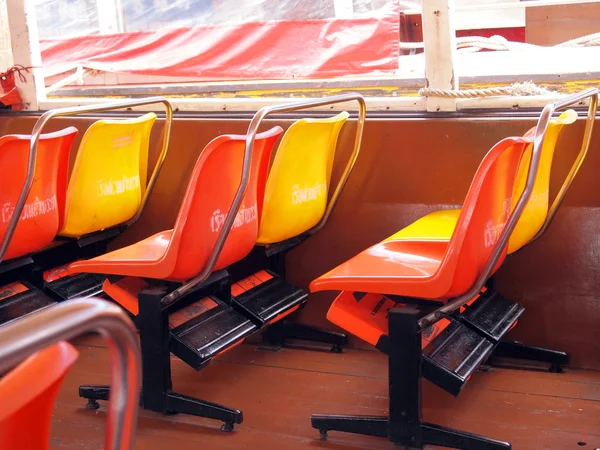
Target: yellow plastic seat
x: 298, y: 183
x: 108, y: 179
x: 439, y: 225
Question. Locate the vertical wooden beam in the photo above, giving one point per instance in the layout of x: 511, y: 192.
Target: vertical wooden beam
x: 439, y: 38
x: 343, y: 9
x: 110, y: 16
x: 26, y: 50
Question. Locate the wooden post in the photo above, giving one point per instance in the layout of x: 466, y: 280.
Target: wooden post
x: 439, y: 38
x: 110, y: 16
x: 343, y: 9
x: 26, y: 50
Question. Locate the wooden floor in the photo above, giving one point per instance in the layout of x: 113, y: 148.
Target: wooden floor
x: 278, y: 391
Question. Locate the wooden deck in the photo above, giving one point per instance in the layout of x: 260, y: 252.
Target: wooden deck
x: 278, y: 391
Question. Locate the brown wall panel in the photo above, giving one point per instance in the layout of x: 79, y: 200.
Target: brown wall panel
x: 407, y: 168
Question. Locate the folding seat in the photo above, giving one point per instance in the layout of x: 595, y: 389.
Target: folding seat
x: 174, y: 282
x: 39, y: 218
x: 295, y: 203
x: 423, y: 301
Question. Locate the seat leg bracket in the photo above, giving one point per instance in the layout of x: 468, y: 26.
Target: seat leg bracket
x: 517, y: 350
x: 171, y: 403
x: 404, y: 425
x: 157, y: 394
x: 276, y: 334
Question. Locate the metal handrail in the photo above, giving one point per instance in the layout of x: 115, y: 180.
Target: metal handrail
x: 67, y: 320
x: 250, y: 137
x: 540, y: 135
x: 587, y: 137
x: 35, y: 137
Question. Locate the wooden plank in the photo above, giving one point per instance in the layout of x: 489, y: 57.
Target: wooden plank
x: 278, y: 391
x: 439, y: 38
x: 551, y: 25
x: 26, y: 50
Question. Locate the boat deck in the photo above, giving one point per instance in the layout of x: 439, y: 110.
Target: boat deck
x: 278, y: 391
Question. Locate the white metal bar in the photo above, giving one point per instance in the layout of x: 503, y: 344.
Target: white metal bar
x: 76, y: 77
x: 26, y: 50
x: 439, y: 38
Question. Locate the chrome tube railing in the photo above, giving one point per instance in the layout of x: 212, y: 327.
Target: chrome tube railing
x: 592, y: 94
x: 35, y: 137
x: 500, y: 245
x: 69, y: 319
x: 250, y: 137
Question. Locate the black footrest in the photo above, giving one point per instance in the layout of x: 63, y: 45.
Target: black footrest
x: 79, y: 285
x: 19, y: 299
x: 265, y: 300
x: 492, y: 315
x: 206, y: 328
x: 453, y: 356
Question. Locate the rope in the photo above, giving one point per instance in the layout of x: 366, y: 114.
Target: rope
x: 517, y: 89
x: 18, y: 68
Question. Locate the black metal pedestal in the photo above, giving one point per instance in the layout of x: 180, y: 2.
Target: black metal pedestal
x: 405, y: 426
x: 156, y: 392
x: 276, y: 334
x: 517, y: 350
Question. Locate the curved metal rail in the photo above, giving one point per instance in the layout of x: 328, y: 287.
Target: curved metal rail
x: 69, y: 319
x: 35, y: 137
x: 540, y: 135
x: 587, y: 137
x: 250, y: 137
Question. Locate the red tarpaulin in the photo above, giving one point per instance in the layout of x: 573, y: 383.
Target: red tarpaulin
x: 255, y: 50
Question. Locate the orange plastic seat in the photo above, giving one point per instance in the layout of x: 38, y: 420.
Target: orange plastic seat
x: 39, y: 220
x: 439, y: 270
x: 28, y: 393
x: 181, y: 253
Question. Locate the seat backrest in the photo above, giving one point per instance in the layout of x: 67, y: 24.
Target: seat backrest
x: 536, y: 210
x: 208, y: 198
x: 108, y: 179
x: 39, y: 220
x: 484, y: 215
x: 28, y: 393
x: 295, y: 195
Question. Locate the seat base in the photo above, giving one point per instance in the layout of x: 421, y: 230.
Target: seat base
x: 426, y: 434
x: 404, y: 425
x: 19, y: 299
x: 15, y: 269
x: 447, y: 359
x: 265, y: 298
x: 209, y: 327
x: 173, y: 403
x: 81, y: 285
